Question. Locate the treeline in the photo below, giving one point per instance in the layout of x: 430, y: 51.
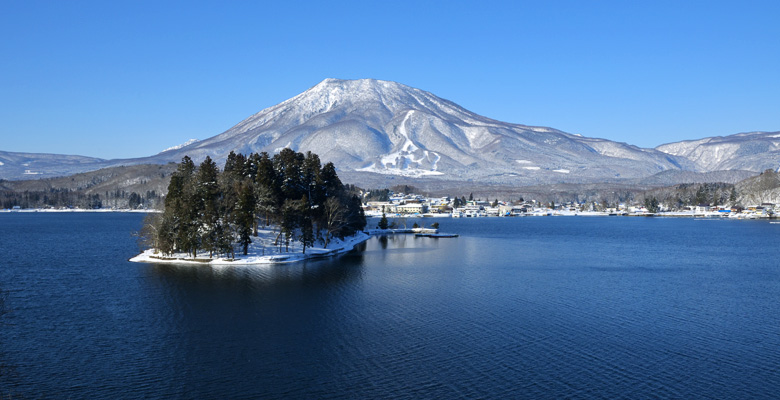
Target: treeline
x: 406, y: 189
x: 691, y: 194
x: 208, y: 210
x: 71, y: 198
x: 378, y: 195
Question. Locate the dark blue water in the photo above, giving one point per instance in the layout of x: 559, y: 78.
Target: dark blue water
x: 549, y: 307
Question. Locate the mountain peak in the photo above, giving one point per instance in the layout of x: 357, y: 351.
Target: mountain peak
x: 358, y: 89
x: 358, y: 83
x: 374, y: 128
x: 387, y: 128
x: 349, y: 95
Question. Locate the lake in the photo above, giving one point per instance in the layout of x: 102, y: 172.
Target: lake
x: 544, y: 307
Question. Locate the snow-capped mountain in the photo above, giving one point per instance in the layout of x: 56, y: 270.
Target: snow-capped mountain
x: 753, y: 151
x: 38, y: 165
x: 177, y: 147
x: 384, y: 127
x: 372, y: 129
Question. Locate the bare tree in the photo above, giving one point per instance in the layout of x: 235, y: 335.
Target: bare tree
x: 149, y: 235
x: 334, y: 218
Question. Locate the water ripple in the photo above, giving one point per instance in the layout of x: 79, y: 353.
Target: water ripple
x: 513, y: 308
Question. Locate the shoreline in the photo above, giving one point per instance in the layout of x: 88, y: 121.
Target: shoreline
x: 260, y: 253
x: 78, y: 210
x: 339, y: 247
x: 664, y: 214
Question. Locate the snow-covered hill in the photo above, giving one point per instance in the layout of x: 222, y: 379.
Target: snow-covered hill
x: 378, y: 131
x: 388, y: 128
x: 753, y: 151
x: 38, y: 165
x: 764, y: 188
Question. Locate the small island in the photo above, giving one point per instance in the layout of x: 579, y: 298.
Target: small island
x: 258, y: 209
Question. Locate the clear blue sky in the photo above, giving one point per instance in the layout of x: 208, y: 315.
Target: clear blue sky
x: 117, y: 79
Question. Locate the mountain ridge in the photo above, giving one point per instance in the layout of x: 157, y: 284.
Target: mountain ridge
x: 755, y: 151
x: 379, y: 130
x: 389, y: 128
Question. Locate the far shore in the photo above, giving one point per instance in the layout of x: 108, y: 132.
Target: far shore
x: 553, y: 213
x: 97, y: 210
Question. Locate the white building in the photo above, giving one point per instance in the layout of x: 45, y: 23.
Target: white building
x: 412, y: 208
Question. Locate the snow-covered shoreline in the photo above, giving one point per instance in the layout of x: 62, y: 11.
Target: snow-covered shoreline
x: 261, y: 251
x: 70, y: 210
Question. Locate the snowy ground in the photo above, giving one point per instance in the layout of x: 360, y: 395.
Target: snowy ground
x: 57, y: 210
x: 261, y: 251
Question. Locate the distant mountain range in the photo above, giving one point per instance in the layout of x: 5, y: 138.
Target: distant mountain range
x: 32, y: 165
x: 378, y: 130
x: 753, y: 151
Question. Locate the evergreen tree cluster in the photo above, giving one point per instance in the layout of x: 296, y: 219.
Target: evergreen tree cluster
x: 216, y: 211
x: 406, y: 189
x: 378, y: 195
x: 651, y: 204
x: 691, y: 194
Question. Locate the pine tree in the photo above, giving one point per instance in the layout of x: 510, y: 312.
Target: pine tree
x: 207, y: 190
x: 311, y: 173
x: 315, y: 190
x: 243, y: 216
x: 330, y: 181
x: 382, y: 222
x: 289, y: 221
x: 224, y: 243
x: 181, y: 208
x: 356, y: 218
x: 235, y: 164
x: 307, y: 234
x: 288, y: 165
x: 230, y: 183
x: 252, y: 166
x: 307, y: 228
x: 266, y: 194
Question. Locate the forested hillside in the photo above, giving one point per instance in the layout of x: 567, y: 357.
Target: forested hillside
x: 137, y: 186
x: 756, y: 190
x: 764, y: 188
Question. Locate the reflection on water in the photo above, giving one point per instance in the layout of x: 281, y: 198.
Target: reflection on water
x: 513, y: 308
x: 333, y: 270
